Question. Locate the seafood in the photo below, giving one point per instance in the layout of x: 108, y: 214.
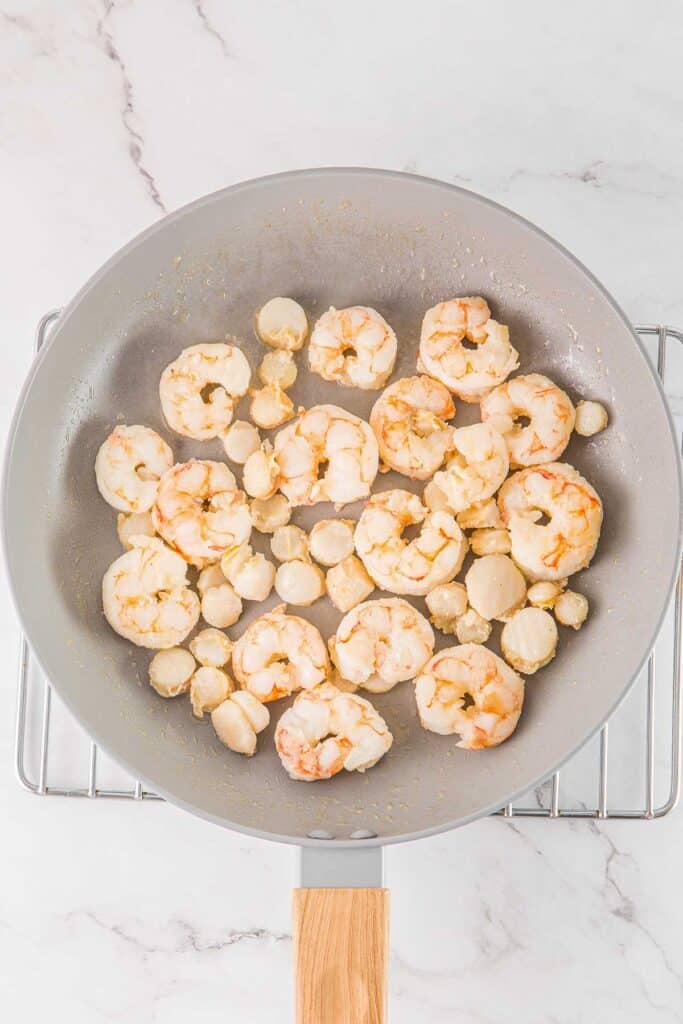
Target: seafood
x: 331, y: 540
x: 134, y: 524
x: 354, y: 346
x: 261, y: 472
x: 545, y: 593
x: 476, y: 469
x: 251, y: 574
x: 409, y: 423
x: 129, y: 465
x: 482, y: 515
x: 212, y: 647
x: 591, y: 418
x: 279, y: 654
x: 278, y: 369
x: 495, y: 586
x: 209, y: 687
x: 212, y: 576
x: 348, y: 583
x: 567, y: 542
x: 469, y: 373
x: 326, y: 731
x: 146, y: 598
x: 240, y: 441
x: 199, y: 390
x: 408, y: 567
x: 446, y: 603
x: 328, y: 438
x: 269, y: 514
x: 571, y: 609
x: 472, y: 628
x: 170, y: 671
x: 200, y: 511
x: 299, y: 582
x: 547, y: 408
x: 289, y: 543
x: 282, y: 324
x: 529, y: 640
x: 221, y: 606
x: 270, y: 407
x: 468, y: 690
x: 490, y: 542
x: 381, y: 643
x: 238, y: 720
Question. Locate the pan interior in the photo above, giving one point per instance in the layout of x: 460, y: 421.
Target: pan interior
x: 400, y: 244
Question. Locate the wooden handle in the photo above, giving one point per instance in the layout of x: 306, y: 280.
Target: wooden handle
x: 341, y: 950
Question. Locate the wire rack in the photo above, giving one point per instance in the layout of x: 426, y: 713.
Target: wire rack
x: 55, y: 758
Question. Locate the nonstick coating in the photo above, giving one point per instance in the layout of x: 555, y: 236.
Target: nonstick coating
x: 399, y: 243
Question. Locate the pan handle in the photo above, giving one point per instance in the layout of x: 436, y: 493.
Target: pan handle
x: 341, y: 937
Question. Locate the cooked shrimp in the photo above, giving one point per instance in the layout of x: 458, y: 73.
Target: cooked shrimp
x: 200, y: 511
x: 470, y: 691
x: 328, y: 436
x: 468, y: 373
x: 200, y: 389
x: 129, y: 465
x: 408, y: 567
x: 326, y: 731
x: 279, y: 654
x: 409, y: 423
x: 381, y: 643
x: 146, y: 598
x: 568, y: 541
x: 476, y: 469
x: 548, y: 409
x: 364, y: 334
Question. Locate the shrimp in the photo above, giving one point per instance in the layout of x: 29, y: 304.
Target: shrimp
x: 409, y: 423
x: 477, y: 468
x: 470, y: 691
x: 279, y: 654
x: 200, y: 389
x: 548, y: 409
x: 408, y: 567
x: 326, y: 731
x: 565, y: 544
x: 381, y: 643
x: 328, y: 436
x: 129, y: 465
x: 146, y: 598
x: 467, y: 372
x: 360, y: 331
x: 200, y: 511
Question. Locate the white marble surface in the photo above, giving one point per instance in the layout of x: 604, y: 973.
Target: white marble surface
x: 112, y: 113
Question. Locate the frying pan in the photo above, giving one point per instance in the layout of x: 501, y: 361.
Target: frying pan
x: 336, y: 236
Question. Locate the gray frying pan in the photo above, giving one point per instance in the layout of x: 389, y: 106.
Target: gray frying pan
x: 399, y: 243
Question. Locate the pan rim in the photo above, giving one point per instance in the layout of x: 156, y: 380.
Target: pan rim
x: 42, y: 657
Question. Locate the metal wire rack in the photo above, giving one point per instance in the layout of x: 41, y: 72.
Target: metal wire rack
x: 648, y: 745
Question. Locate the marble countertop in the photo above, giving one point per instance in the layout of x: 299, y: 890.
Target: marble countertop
x: 113, y: 113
